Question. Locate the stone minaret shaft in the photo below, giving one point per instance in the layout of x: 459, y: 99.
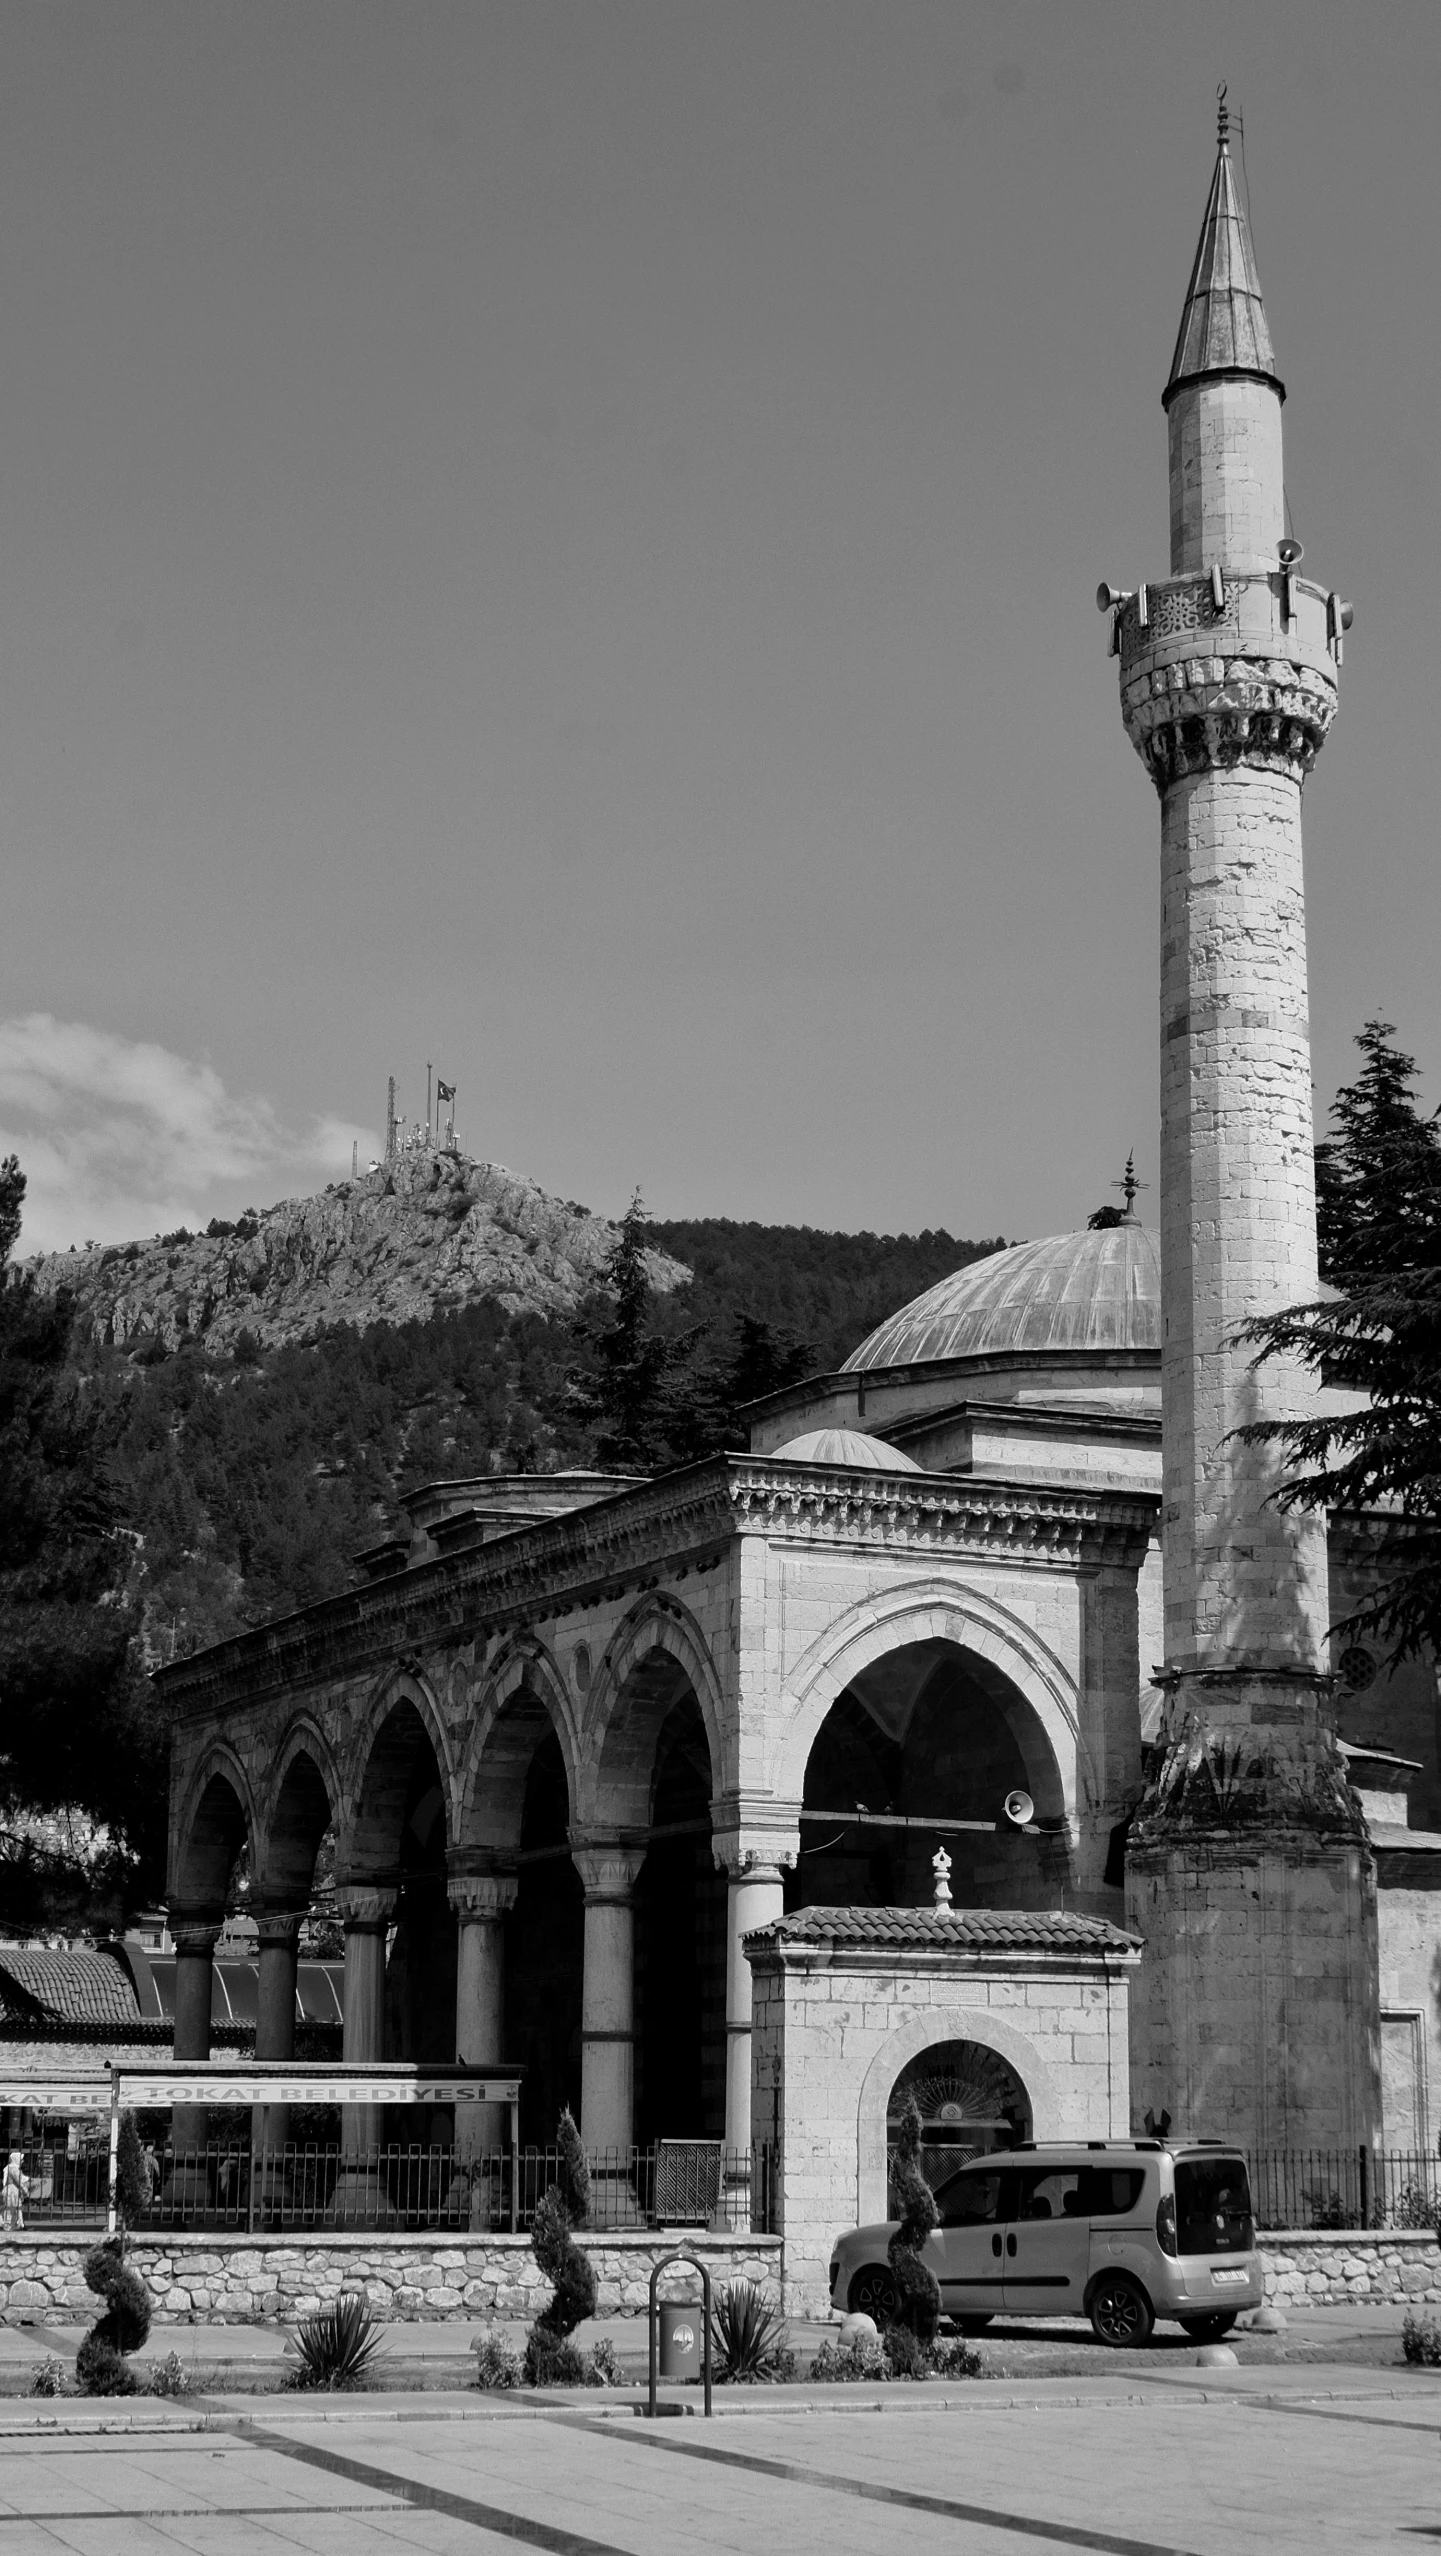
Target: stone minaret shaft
x: 1247, y: 1868
x: 1228, y: 687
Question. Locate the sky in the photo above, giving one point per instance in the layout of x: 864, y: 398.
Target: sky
x: 561, y: 541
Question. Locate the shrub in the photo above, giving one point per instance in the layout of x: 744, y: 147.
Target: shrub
x: 899, y: 2355
x: 169, y: 2377
x: 864, y: 2360
x: 337, y: 2346
x: 100, y: 2364
x: 605, y: 2369
x: 955, y: 2360
x: 49, y: 2378
x: 495, y: 2363
x: 918, y: 2286
x: 552, y: 2360
x: 1421, y: 2340
x: 565, y: 2206
x: 749, y: 2336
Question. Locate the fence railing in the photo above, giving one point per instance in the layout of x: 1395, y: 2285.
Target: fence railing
x: 1344, y: 2188
x: 677, y: 2183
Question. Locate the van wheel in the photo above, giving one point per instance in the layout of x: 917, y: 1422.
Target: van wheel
x: 972, y: 2324
x: 874, y: 2292
x: 1207, y: 2329
x: 1121, y: 2314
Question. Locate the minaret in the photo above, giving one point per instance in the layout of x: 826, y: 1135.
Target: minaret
x: 1248, y: 1869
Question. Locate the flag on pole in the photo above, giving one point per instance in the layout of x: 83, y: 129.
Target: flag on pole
x: 444, y: 1091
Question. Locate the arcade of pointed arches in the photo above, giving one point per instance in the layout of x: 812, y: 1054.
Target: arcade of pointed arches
x: 557, y: 1892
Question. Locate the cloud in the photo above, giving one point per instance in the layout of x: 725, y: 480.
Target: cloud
x: 120, y: 1138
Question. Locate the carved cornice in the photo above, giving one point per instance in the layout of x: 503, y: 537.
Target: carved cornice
x: 639, y: 1540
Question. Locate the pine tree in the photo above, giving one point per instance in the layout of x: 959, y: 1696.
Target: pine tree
x: 79, y: 1734
x: 1379, y: 1222
x: 631, y: 1387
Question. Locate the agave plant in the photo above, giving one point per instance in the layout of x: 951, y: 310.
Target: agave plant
x: 336, y: 2346
x: 749, y: 2335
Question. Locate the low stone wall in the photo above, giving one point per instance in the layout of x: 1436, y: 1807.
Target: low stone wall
x: 1330, y: 2267
x: 216, y: 2280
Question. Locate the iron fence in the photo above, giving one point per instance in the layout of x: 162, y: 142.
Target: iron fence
x: 1354, y: 2188
x: 230, y: 2184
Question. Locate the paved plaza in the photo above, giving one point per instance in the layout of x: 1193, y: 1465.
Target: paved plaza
x: 1143, y: 2463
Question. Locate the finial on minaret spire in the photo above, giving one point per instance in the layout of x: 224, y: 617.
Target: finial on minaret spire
x: 1223, y: 325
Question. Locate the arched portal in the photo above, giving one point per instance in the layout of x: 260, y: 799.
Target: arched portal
x: 680, y: 1943
x: 213, y: 1840
x: 920, y: 1751
x: 398, y: 1842
x: 545, y: 1933
x: 970, y: 2099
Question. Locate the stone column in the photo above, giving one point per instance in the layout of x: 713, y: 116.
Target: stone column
x: 482, y: 1902
x: 608, y: 1868
x: 278, y: 1946
x: 195, y: 1937
x: 366, y: 1915
x: 754, y: 1859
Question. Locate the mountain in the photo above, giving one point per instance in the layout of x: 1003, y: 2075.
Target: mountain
x: 425, y: 1235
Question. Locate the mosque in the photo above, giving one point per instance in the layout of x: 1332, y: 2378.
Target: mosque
x: 977, y: 1729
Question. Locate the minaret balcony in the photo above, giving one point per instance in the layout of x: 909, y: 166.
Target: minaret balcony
x: 1235, y: 667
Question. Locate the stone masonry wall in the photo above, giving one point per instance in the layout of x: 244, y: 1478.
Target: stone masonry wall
x: 1330, y: 2268
x: 209, y: 2280
x: 195, y: 2281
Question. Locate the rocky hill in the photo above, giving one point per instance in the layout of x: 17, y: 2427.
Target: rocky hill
x: 425, y: 1235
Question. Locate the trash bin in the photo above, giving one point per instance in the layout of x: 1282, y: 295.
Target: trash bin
x: 682, y: 2339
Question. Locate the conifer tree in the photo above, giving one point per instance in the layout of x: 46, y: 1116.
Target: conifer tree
x: 1379, y: 1227
x: 78, y: 1732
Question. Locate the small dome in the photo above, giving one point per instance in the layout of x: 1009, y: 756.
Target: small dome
x: 1072, y: 1291
x: 846, y: 1446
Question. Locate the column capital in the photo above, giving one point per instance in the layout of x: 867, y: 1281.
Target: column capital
x: 364, y: 1906
x: 607, y: 1863
x: 194, y: 1935
x: 278, y: 1926
x: 753, y: 1834
x: 482, y: 1896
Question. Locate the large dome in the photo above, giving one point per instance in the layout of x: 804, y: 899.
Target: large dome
x: 1072, y: 1291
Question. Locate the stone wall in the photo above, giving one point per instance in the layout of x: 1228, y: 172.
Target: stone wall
x: 1324, y: 2267
x: 219, y: 2280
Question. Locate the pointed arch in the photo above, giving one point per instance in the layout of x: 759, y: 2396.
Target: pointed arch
x: 302, y: 1800
x: 217, y: 1817
x: 404, y: 1719
x: 1006, y: 1655
x: 523, y: 1701
x: 629, y: 1702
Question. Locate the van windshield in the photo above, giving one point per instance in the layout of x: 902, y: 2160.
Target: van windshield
x: 1213, y: 2205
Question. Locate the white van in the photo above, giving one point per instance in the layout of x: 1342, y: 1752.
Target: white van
x: 1119, y: 2230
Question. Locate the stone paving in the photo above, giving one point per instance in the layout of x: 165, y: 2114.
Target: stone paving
x: 1178, y: 2460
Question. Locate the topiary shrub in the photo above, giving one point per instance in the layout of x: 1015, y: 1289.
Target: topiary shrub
x: 551, y: 2360
x: 100, y: 2362
x: 918, y: 2286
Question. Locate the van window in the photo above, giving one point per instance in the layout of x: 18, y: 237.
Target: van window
x: 1213, y: 2205
x: 1050, y: 2193
x: 1112, y: 2192
x: 969, y: 2201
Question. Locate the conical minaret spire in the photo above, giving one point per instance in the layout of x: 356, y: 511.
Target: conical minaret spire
x: 1223, y: 399
x: 1223, y: 325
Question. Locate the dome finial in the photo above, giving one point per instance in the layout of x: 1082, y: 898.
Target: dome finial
x: 1223, y: 117
x: 1130, y: 1189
